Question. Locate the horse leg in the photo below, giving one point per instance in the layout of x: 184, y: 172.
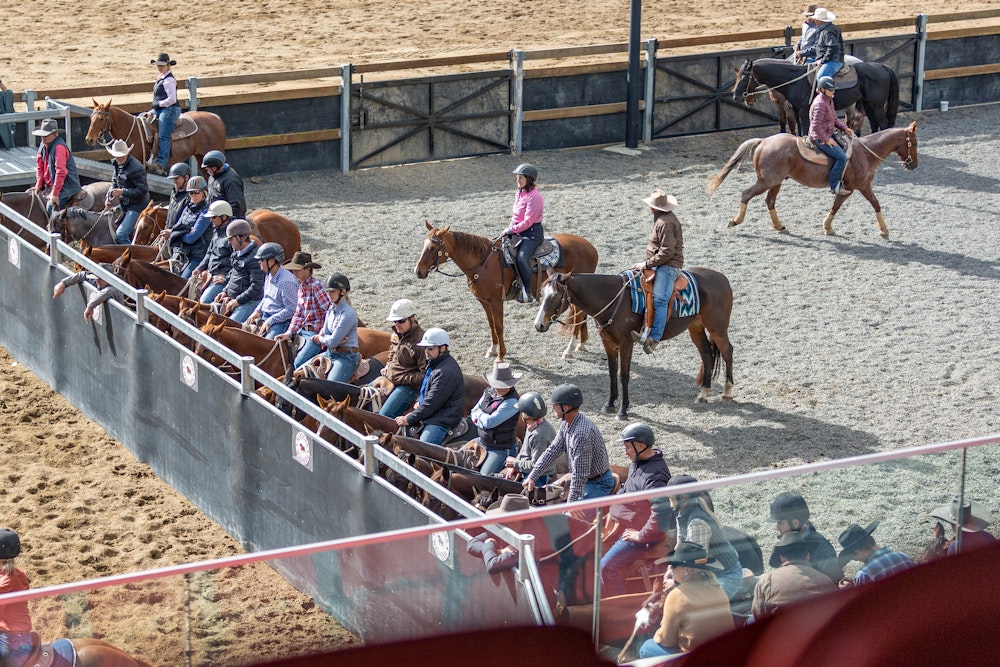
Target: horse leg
x: 625, y: 349
x: 700, y: 339
x: 494, y: 316
x: 577, y: 342
x: 720, y: 337
x: 748, y: 194
x: 868, y: 194
x: 770, y: 199
x: 838, y: 201
x: 611, y: 350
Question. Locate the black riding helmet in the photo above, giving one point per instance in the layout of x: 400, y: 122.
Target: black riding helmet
x: 638, y: 432
x: 271, y: 250
x: 528, y: 170
x: 338, y: 281
x: 789, y: 505
x: 567, y: 394
x: 532, y: 405
x: 214, y: 159
x: 10, y: 544
x: 179, y: 169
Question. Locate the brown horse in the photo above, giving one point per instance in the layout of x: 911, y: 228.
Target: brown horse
x: 276, y: 228
x: 777, y: 158
x: 143, y: 275
x: 272, y: 357
x: 151, y: 222
x: 490, y: 280
x: 109, y: 253
x: 606, y: 299
x: 31, y: 207
x: 87, y: 652
x: 108, y: 122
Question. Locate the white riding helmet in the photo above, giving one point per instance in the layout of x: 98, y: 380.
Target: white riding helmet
x: 433, y: 337
x: 401, y: 310
x: 220, y: 207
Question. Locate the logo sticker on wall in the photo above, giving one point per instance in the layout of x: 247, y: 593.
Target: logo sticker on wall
x: 189, y: 371
x: 303, y: 449
x: 14, y: 252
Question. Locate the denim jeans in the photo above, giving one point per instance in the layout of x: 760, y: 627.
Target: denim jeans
x: 344, y: 365
x: 840, y: 161
x: 663, y: 288
x: 123, y: 236
x: 168, y: 118
x: 828, y: 69
x: 433, y: 434
x: 15, y: 647
x: 399, y: 401
x: 241, y: 313
x: 621, y: 554
x: 602, y: 486
x: 495, y: 458
x: 650, y: 649
x: 212, y: 291
x: 731, y: 579
x: 308, y: 350
x: 279, y: 328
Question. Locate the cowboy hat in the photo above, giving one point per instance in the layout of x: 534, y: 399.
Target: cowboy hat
x: 975, y: 515
x: 852, y: 537
x: 501, y: 377
x: 661, y: 201
x: 118, y: 148
x: 790, y: 540
x: 810, y: 10
x: 689, y: 554
x: 45, y: 128
x: 824, y: 15
x: 163, y: 59
x: 512, y: 502
x: 301, y: 260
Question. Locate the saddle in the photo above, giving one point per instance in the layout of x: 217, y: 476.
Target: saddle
x: 810, y: 153
x: 547, y: 255
x: 60, y: 653
x: 183, y: 128
x: 648, y: 275
x: 845, y: 77
x: 85, y: 199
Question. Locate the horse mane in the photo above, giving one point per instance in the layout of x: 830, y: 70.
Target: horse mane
x: 472, y: 243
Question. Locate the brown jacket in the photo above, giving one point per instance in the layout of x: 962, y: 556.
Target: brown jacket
x: 407, y: 363
x: 666, y: 243
x: 792, y: 581
x: 693, y: 613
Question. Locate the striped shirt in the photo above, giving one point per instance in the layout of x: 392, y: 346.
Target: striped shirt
x: 310, y: 311
x: 881, y: 564
x: 585, y: 450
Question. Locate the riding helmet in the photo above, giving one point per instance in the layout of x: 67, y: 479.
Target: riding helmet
x: 528, y: 170
x: 213, y: 159
x: 566, y: 394
x: 10, y: 544
x: 220, y: 207
x: 338, y: 281
x: 270, y: 251
x: 401, y: 310
x: 179, y: 169
x: 638, y: 432
x: 197, y: 184
x: 434, y: 337
x: 789, y: 505
x: 826, y: 83
x: 532, y: 405
x: 238, y: 227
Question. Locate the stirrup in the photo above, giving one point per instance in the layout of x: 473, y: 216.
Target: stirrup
x: 640, y: 336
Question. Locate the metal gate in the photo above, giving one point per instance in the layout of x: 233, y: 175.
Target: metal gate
x: 431, y: 118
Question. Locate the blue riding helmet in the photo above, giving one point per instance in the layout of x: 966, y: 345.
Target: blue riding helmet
x: 213, y: 159
x: 826, y: 83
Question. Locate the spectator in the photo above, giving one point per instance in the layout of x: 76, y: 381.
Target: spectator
x: 879, y: 562
x: 794, y: 579
x: 974, y: 521
x: 15, y: 618
x: 790, y: 512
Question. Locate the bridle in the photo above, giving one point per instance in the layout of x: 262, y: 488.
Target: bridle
x: 442, y: 256
x: 104, y: 117
x: 906, y: 162
x: 752, y: 78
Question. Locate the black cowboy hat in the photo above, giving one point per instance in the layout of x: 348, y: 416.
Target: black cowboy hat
x: 789, y: 540
x: 689, y: 554
x: 163, y: 59
x: 852, y: 537
x: 302, y: 260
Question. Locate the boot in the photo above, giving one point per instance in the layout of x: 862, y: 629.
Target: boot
x: 649, y: 346
x: 640, y: 337
x: 523, y: 295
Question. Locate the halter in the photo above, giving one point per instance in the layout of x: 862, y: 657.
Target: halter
x: 104, y: 116
x: 768, y: 89
x: 471, y: 276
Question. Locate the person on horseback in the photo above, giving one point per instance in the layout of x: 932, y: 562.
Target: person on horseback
x: 213, y: 270
x: 245, y: 282
x: 56, y: 177
x: 496, y: 415
x: 180, y: 173
x: 525, y: 227
x: 311, y: 305
x: 224, y: 182
x: 829, y: 47
x: 15, y: 618
x: 189, y: 237
x: 441, y: 404
x: 339, y: 335
x: 166, y: 108
x: 642, y: 527
x: 793, y: 578
x: 581, y: 440
x: 790, y: 512
x: 407, y: 364
x: 104, y: 290
x: 538, y: 435
x: 807, y: 41
x: 664, y: 254
x: 129, y: 186
x: 281, y: 293
x: 878, y: 562
x: 822, y: 123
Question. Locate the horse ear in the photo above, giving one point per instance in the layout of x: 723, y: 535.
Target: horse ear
x: 127, y: 255
x: 97, y: 105
x: 86, y: 248
x: 428, y: 225
x: 912, y: 128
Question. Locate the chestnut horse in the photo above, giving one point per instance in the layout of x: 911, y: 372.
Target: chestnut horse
x: 81, y: 652
x: 777, y: 158
x: 109, y: 253
x: 606, y: 299
x: 151, y: 222
x: 272, y: 357
x: 490, y: 280
x: 108, y: 122
x: 143, y: 275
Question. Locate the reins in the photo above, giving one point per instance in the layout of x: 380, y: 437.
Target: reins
x: 767, y: 88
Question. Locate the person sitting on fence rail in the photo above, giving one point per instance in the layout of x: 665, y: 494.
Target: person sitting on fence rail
x: 795, y: 578
x: 281, y: 292
x: 128, y: 186
x: 166, y: 107
x: 538, y: 435
x: 245, y: 281
x: 103, y: 293
x: 879, y: 562
x: 56, y: 178
x: 441, y: 404
x: 189, y: 236
x: 526, y: 224
x: 311, y: 304
x: 15, y: 618
x: 213, y: 270
x: 224, y: 182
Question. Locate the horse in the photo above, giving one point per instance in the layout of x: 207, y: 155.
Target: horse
x: 490, y: 280
x: 606, y: 299
x: 115, y: 123
x: 276, y: 228
x: 777, y: 158
x: 272, y: 357
x: 106, y: 254
x: 80, y: 652
x: 31, y: 207
x: 76, y: 224
x: 143, y: 275
x: 786, y: 114
x: 877, y: 89
x: 150, y: 223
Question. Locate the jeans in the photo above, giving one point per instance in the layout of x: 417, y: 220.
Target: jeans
x: 241, y: 313
x: 650, y: 649
x: 840, y: 161
x: 621, y: 554
x: 531, y: 238
x: 433, y: 434
x: 308, y: 350
x: 344, y: 365
x: 602, y: 486
x: 168, y: 118
x: 731, y: 579
x: 399, y: 401
x: 123, y: 236
x: 495, y: 458
x: 663, y: 288
x: 15, y: 647
x: 279, y: 328
x: 212, y: 291
x: 828, y: 69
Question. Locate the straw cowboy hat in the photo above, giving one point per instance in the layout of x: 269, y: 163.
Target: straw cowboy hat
x: 501, y: 376
x: 301, y: 260
x: 824, y: 15
x: 689, y: 554
x: 810, y: 10
x: 975, y: 515
x: 852, y: 537
x: 512, y: 502
x: 45, y: 128
x: 118, y: 148
x: 661, y: 201
x: 163, y: 59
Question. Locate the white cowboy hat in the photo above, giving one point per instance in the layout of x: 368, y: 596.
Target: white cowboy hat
x: 661, y: 201
x: 824, y: 15
x: 118, y: 148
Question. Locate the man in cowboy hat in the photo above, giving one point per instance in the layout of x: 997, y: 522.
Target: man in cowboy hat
x: 879, y: 562
x: 790, y: 512
x: 496, y: 415
x: 165, y: 106
x: 665, y: 254
x: 795, y: 579
x: 496, y: 558
x: 808, y: 38
x: 973, y: 519
x: 311, y: 304
x: 828, y: 49
x: 128, y: 185
x: 56, y: 178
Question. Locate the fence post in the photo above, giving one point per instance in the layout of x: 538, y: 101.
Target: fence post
x: 192, y: 86
x: 517, y: 104
x: 246, y: 382
x: 141, y: 313
x: 67, y: 115
x: 371, y: 464
x: 29, y: 102
x: 918, y: 65
x: 346, y: 72
x: 55, y: 255
x: 650, y: 96
x: 789, y: 31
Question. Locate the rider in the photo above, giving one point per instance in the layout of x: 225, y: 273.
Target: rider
x: 339, y: 335
x: 526, y: 221
x: 180, y: 173
x: 189, y: 236
x: 822, y: 121
x: 281, y: 292
x: 665, y: 254
x: 442, y: 393
x: 55, y: 168
x: 538, y: 435
x: 790, y: 512
x: 808, y: 39
x: 224, y: 182
x: 245, y: 282
x: 495, y: 415
x: 15, y: 618
x: 407, y: 364
x: 311, y: 305
x: 829, y: 47
x: 214, y: 267
x: 166, y: 107
x: 129, y: 185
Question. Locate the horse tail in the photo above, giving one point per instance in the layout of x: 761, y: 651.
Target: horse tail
x: 745, y: 149
x: 892, y: 104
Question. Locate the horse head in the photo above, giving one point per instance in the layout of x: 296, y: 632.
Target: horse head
x: 907, y: 149
x: 149, y: 223
x: 120, y: 265
x: 434, y: 253
x: 745, y: 83
x: 100, y: 123
x: 554, y: 301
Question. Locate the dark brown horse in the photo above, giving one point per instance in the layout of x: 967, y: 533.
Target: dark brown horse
x: 777, y: 158
x: 143, y: 275
x: 786, y: 114
x: 31, y: 207
x: 606, y: 299
x: 76, y: 224
x: 490, y: 281
x: 108, y: 122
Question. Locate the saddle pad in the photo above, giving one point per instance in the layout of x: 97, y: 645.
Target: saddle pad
x: 64, y: 654
x: 809, y: 152
x: 184, y: 127
x: 686, y: 304
x: 845, y: 77
x: 548, y: 254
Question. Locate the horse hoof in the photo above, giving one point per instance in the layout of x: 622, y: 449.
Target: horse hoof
x: 783, y: 230
x: 608, y: 409
x: 567, y: 355
x: 622, y: 416
x: 734, y: 222
x: 829, y: 231
x: 727, y: 398
x: 884, y: 234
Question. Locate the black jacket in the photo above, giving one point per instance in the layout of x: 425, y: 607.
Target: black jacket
x: 246, y: 279
x: 217, y: 256
x: 131, y: 178
x: 645, y: 474
x: 829, y: 44
x: 228, y: 185
x: 442, y: 394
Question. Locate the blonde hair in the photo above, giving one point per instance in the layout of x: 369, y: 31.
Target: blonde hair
x: 706, y: 577
x: 8, y: 566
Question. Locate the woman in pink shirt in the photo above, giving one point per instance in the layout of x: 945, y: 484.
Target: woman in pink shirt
x: 822, y: 122
x: 526, y: 222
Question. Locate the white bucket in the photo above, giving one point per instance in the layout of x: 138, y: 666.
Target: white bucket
x: 944, y: 105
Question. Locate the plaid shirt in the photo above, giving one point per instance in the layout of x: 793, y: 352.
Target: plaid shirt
x: 280, y: 293
x: 881, y: 564
x: 585, y: 450
x: 311, y: 309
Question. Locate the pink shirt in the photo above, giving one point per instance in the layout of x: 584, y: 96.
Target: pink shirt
x: 528, y: 209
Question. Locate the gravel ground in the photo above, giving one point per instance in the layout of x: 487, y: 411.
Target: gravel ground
x: 844, y: 345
